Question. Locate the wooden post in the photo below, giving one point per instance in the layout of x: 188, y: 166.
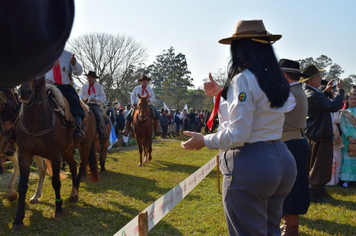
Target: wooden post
x: 218, y: 170
x: 143, y: 223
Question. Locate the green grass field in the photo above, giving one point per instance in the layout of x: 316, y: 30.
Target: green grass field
x: 126, y: 189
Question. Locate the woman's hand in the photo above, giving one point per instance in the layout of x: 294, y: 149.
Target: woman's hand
x: 196, y: 141
x: 351, y: 139
x: 211, y: 88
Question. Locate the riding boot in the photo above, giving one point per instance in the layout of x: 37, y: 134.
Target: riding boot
x: 78, y: 133
x: 103, y: 135
x: 127, y: 128
x: 156, y: 127
x: 290, y: 225
x: 169, y: 135
x: 173, y: 134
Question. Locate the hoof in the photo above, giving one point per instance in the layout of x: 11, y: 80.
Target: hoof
x: 58, y: 215
x: 102, y: 170
x: 139, y: 164
x: 34, y: 200
x: 17, y: 227
x: 12, y: 198
x: 73, y: 198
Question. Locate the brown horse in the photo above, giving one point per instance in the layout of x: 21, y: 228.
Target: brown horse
x: 143, y: 126
x: 41, y: 132
x: 102, y: 147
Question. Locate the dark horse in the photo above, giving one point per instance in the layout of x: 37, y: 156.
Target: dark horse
x: 143, y: 126
x: 41, y: 132
x: 102, y: 147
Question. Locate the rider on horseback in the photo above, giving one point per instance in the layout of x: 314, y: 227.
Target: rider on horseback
x: 60, y: 76
x: 96, y: 95
x: 143, y: 90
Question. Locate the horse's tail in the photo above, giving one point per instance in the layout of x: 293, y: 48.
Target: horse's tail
x: 50, y: 171
x: 93, y: 165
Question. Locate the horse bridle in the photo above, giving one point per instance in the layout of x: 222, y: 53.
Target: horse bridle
x: 43, y: 132
x: 32, y: 97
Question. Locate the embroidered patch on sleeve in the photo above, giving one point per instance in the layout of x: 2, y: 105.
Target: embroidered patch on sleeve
x: 242, y: 97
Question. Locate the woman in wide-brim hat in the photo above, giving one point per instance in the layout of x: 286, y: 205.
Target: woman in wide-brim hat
x: 258, y: 169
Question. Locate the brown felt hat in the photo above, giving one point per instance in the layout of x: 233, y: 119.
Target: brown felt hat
x: 251, y: 29
x: 310, y: 72
x: 144, y: 77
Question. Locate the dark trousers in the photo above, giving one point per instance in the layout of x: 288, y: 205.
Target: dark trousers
x: 72, y: 97
x: 298, y: 200
x: 321, y: 162
x: 98, y: 115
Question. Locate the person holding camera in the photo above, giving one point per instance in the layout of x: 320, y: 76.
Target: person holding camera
x: 319, y: 131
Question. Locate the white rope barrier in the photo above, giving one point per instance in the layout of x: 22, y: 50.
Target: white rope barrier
x: 163, y: 205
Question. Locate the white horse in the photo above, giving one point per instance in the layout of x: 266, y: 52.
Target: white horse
x: 41, y: 167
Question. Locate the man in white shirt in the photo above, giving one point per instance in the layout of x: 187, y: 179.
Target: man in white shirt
x: 60, y: 75
x: 143, y: 90
x: 96, y: 95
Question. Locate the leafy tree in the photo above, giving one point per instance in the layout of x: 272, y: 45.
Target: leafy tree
x: 115, y: 58
x: 323, y: 62
x: 170, y: 77
x: 349, y: 82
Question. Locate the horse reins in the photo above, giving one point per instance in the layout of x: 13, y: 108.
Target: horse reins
x: 43, y: 132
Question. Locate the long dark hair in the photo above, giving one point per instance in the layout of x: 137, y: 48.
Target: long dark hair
x: 260, y: 59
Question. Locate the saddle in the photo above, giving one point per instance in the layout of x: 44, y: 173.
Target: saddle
x: 61, y: 105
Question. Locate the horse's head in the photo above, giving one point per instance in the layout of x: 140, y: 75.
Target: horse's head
x: 27, y: 90
x: 143, y: 107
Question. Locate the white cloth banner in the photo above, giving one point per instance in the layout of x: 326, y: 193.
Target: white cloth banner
x: 157, y: 210
x: 165, y: 107
x: 186, y: 107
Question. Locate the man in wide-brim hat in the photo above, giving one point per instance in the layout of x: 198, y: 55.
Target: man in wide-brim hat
x: 319, y: 131
x: 297, y: 201
x: 96, y: 96
x: 142, y: 90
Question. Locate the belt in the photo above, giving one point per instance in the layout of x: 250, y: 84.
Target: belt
x: 292, y: 134
x: 269, y: 141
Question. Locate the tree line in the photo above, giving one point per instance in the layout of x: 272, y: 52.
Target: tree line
x: 119, y: 61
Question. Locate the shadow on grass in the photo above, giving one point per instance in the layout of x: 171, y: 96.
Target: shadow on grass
x: 174, y: 167
x: 133, y: 186
x: 330, y: 227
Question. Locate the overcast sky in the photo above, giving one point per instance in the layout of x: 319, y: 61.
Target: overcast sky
x: 193, y: 28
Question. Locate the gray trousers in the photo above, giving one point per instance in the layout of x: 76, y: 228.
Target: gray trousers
x: 257, y: 178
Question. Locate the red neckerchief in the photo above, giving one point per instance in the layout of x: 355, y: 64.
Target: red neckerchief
x: 143, y: 90
x: 91, y: 86
x: 209, y: 123
x: 57, y: 76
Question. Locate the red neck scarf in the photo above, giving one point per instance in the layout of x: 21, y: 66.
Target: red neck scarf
x: 57, y: 73
x: 91, y: 86
x: 143, y: 90
x: 210, y: 121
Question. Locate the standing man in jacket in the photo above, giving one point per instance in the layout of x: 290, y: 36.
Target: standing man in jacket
x: 319, y: 131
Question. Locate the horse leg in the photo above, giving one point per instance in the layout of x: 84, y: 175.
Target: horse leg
x: 103, y: 155
x: 69, y: 158
x: 56, y: 184
x: 149, y: 148
x: 11, y: 193
x: 140, y: 151
x: 41, y: 167
x: 146, y: 152
x: 25, y: 159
